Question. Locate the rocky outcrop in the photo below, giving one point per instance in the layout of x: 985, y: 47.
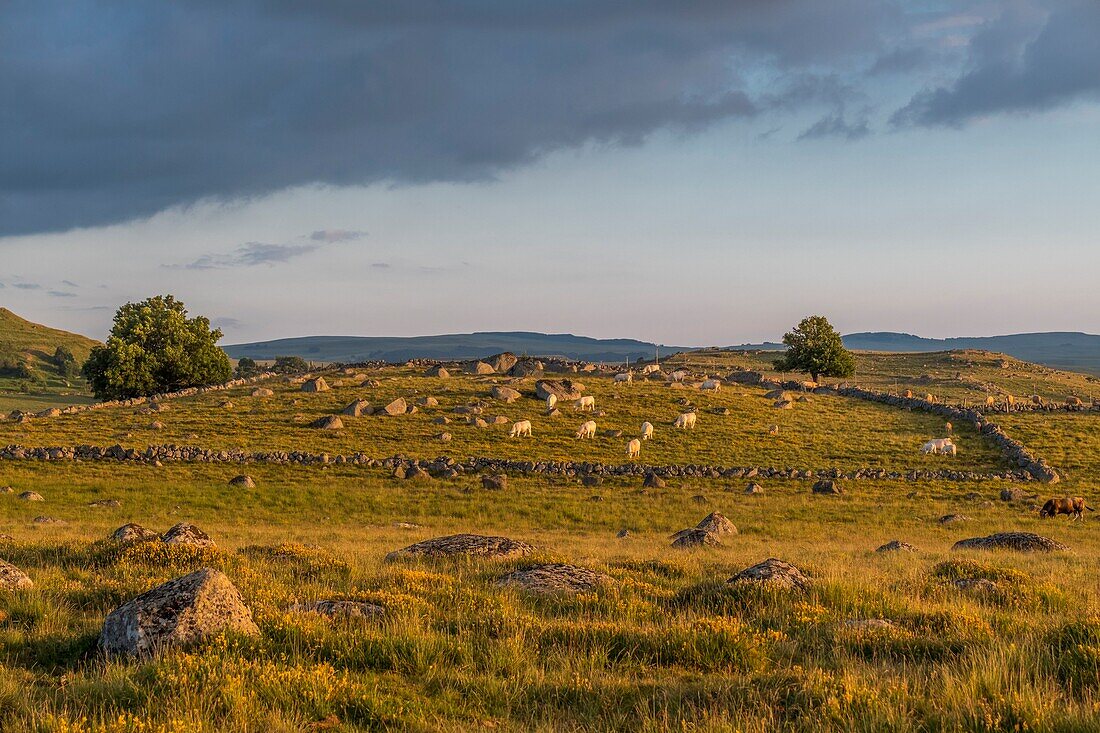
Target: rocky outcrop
x: 12, y: 578
x: 564, y: 389
x: 553, y: 578
x: 132, y: 532
x: 1018, y: 541
x: 186, y: 533
x: 181, y: 612
x: 773, y: 572
x: 463, y: 545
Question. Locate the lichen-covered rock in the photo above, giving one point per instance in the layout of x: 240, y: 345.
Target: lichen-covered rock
x: 341, y: 609
x: 506, y: 394
x: 315, y: 385
x: 564, y: 389
x: 717, y: 523
x: 694, y: 537
x: 896, y: 546
x: 357, y: 408
x: 31, y: 496
x: 1019, y: 541
x: 774, y: 572
x: 827, y: 486
x: 397, y: 407
x: 467, y: 545
x: 555, y: 578
x: 132, y: 532
x: 181, y: 612
x: 328, y: 422
x: 243, y: 481
x: 186, y: 533
x: 12, y: 578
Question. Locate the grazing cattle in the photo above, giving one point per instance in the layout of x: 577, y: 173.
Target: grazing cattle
x: 949, y: 427
x: 587, y: 430
x: 936, y: 446
x: 1010, y: 402
x: 1037, y: 400
x: 650, y: 368
x: 521, y: 429
x: 1074, y: 401
x: 990, y: 401
x: 930, y: 398
x: 685, y: 420
x: 586, y: 403
x: 950, y: 450
x: 647, y: 430
x: 909, y: 394
x: 1072, y: 505
x: 551, y: 400
x: 634, y: 448
x: 678, y: 376
x: 711, y: 385
x: 623, y: 378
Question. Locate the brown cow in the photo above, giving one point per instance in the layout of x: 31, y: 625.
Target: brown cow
x: 1067, y: 505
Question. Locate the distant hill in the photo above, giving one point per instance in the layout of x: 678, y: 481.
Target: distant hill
x: 1059, y: 349
x: 29, y: 376
x: 459, y: 346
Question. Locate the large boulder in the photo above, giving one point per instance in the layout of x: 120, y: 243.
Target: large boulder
x: 357, y: 409
x: 502, y: 362
x: 773, y: 572
x: 12, y: 578
x: 507, y: 394
x: 262, y: 392
x: 397, y: 407
x: 315, y: 385
x: 717, y: 523
x: 328, y: 422
x: 186, y: 533
x: 563, y: 389
x: 555, y: 578
x: 181, y: 612
x: 1018, y: 541
x: 437, y: 371
x: 896, y: 546
x: 463, y: 545
x: 133, y: 532
x: 31, y: 496
x: 243, y: 481
x: 479, y: 368
x: 827, y: 486
x: 526, y: 369
x: 694, y: 537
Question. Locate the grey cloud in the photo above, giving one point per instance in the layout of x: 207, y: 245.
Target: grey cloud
x: 381, y: 265
x: 70, y: 283
x: 117, y: 110
x: 27, y: 286
x: 61, y: 294
x: 835, y: 125
x: 330, y: 236
x: 1025, y: 61
x: 224, y: 322
x: 250, y: 255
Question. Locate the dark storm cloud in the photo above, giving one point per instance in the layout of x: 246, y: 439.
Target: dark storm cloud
x: 1030, y: 59
x: 116, y: 110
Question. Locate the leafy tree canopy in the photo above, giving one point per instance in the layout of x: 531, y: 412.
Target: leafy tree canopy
x: 289, y: 365
x: 816, y: 348
x: 153, y: 348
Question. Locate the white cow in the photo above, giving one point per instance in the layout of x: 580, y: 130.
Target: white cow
x: 624, y: 378
x: 950, y: 450
x: 634, y: 448
x: 521, y: 429
x: 711, y: 385
x: 685, y: 420
x: 551, y: 400
x: 678, y: 376
x: 647, y: 430
x: 586, y: 403
x: 936, y: 446
x: 588, y: 430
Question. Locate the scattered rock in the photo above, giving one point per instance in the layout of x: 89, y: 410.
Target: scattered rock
x: 774, y: 572
x: 181, y: 612
x: 417, y: 474
x: 243, y: 481
x: 341, y: 609
x: 7, y: 490
x: 328, y: 422
x: 501, y: 420
x: 467, y: 545
x: 315, y: 385
x: 397, y: 407
x: 12, y: 578
x: 31, y: 496
x: 1019, y: 541
x: 445, y: 437
x: 827, y: 486
x: 42, y: 519
x: 132, y: 532
x: 502, y: 362
x: 186, y: 533
x: 1014, y: 495
x: 479, y: 368
x: 653, y: 481
x: 358, y: 408
x: 494, y: 482
x: 896, y: 546
x: 953, y: 518
x: 699, y: 499
x: 441, y: 420
x: 507, y: 394
x: 437, y: 371
x: 754, y: 488
x: 428, y: 402
x: 556, y: 578
x: 717, y: 523
x: 262, y: 392
x: 564, y: 389
x: 591, y: 480
x: 105, y: 503
x: 694, y: 537
x: 156, y: 425
x: 622, y: 534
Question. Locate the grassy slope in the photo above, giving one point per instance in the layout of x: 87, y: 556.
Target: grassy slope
x: 34, y: 345
x: 668, y: 647
x: 823, y: 433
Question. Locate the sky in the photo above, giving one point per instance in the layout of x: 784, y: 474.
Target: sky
x: 701, y: 172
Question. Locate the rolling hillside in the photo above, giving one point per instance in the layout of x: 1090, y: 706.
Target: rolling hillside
x: 30, y: 378
x: 450, y: 346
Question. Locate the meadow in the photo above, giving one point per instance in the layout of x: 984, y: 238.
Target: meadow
x: 878, y: 642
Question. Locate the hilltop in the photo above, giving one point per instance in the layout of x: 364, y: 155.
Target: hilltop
x: 29, y: 376
x: 457, y: 346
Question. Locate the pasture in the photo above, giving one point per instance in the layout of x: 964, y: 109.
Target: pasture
x: 878, y: 641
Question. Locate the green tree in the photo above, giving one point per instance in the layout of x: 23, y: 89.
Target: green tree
x: 816, y: 348
x: 66, y: 362
x: 246, y: 367
x: 289, y: 365
x: 154, y: 347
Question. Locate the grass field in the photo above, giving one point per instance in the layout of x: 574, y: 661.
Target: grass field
x: 668, y: 645
x: 824, y: 432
